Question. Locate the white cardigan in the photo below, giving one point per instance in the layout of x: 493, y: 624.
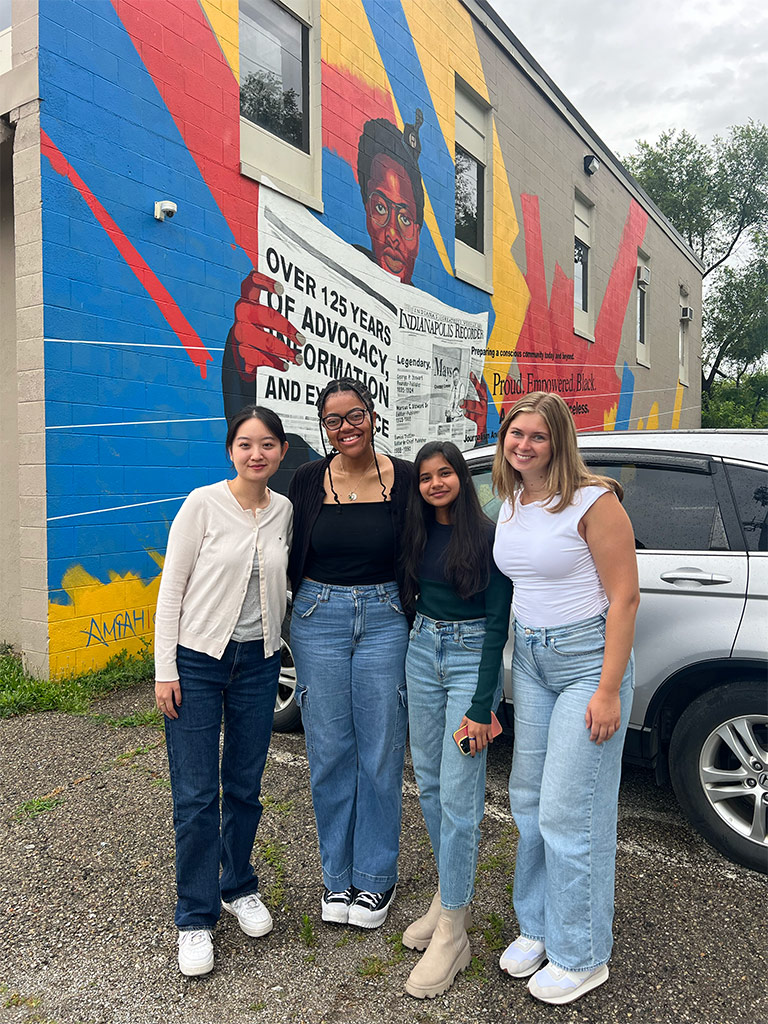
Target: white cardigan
x: 208, y: 562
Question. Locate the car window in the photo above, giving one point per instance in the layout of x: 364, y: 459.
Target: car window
x: 750, y: 488
x: 671, y: 508
x: 481, y: 477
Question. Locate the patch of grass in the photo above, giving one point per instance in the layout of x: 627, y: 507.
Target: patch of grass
x: 343, y: 941
x: 492, y: 934
x: 151, y: 717
x: 476, y: 971
x: 22, y: 693
x: 307, y: 931
x: 398, y: 949
x: 276, y: 806
x: 129, y: 755
x: 372, y: 967
x: 273, y: 854
x: 256, y: 1007
x: 503, y: 853
x: 17, y: 999
x: 39, y: 805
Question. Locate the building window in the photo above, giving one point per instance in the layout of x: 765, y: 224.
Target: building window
x: 474, y: 179
x: 470, y: 177
x: 583, y: 321
x: 686, y: 315
x: 643, y: 282
x: 280, y: 131
x: 274, y: 71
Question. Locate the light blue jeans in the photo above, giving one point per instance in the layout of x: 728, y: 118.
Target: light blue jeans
x: 349, y: 647
x: 441, y: 669
x: 563, y: 793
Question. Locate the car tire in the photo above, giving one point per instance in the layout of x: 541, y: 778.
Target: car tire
x: 287, y: 714
x: 720, y: 743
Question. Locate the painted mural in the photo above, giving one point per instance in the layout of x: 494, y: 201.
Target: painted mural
x: 156, y: 331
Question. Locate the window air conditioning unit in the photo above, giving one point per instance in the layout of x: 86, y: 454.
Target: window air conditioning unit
x: 686, y: 312
x: 643, y: 276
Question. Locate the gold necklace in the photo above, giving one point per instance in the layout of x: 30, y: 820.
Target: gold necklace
x: 352, y: 496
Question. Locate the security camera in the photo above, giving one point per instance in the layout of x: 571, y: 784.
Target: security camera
x: 165, y: 208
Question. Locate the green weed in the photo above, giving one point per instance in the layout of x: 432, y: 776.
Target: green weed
x: 273, y: 854
x: 372, y: 967
x: 151, y: 717
x: 41, y: 804
x: 22, y: 693
x: 476, y: 971
x: 307, y: 931
x: 492, y: 934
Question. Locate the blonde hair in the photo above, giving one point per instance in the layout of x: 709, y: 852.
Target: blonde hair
x: 566, y: 472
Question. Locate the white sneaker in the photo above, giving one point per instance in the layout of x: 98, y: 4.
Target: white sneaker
x: 555, y: 985
x: 522, y: 957
x: 195, y: 952
x: 252, y: 916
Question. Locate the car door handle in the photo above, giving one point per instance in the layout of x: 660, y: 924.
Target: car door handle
x: 686, y: 575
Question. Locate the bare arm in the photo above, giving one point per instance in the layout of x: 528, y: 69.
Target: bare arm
x: 608, y: 532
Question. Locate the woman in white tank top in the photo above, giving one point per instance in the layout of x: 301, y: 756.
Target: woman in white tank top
x: 568, y: 546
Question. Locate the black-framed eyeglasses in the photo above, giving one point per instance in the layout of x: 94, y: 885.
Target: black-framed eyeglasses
x: 354, y: 417
x: 380, y: 208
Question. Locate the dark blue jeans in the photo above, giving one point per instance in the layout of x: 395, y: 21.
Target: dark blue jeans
x: 242, y: 686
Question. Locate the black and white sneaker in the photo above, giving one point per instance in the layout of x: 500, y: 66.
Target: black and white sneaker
x: 370, y: 909
x: 335, y: 906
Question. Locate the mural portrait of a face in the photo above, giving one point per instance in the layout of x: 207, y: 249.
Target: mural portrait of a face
x: 393, y: 194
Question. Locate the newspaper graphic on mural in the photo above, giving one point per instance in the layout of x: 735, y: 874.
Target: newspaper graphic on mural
x: 412, y: 351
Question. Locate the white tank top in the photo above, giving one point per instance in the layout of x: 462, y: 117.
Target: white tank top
x: 555, y: 578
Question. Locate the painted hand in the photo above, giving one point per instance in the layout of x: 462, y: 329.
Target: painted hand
x: 252, y: 342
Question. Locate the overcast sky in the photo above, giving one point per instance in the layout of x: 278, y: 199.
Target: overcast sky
x: 634, y: 68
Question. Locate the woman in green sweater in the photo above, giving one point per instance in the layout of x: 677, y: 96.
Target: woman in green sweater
x: 461, y: 603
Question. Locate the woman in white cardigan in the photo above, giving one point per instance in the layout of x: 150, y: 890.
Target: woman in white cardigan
x: 217, y: 652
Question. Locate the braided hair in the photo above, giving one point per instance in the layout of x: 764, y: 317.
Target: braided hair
x: 333, y: 387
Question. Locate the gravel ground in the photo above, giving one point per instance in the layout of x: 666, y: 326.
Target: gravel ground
x: 87, y: 882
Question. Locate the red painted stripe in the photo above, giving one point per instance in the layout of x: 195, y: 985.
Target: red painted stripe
x: 178, y: 323
x: 204, y: 102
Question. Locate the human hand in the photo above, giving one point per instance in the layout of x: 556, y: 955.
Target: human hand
x: 476, y: 409
x: 168, y: 698
x: 603, y: 716
x: 480, y: 735
x: 252, y: 344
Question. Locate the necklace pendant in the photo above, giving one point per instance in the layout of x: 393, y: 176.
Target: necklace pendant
x: 352, y: 496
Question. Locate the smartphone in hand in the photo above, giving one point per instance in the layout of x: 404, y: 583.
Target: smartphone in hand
x: 461, y: 736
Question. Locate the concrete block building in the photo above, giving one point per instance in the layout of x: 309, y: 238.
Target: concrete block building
x: 205, y: 203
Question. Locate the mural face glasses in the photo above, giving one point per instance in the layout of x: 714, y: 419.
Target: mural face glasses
x: 380, y: 211
x: 354, y: 417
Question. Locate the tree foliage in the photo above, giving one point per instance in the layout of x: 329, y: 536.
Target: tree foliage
x: 742, y: 404
x: 264, y: 101
x: 716, y: 196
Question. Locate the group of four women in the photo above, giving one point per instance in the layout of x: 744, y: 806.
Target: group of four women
x: 401, y: 600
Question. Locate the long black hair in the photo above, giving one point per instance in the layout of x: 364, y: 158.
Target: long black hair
x: 467, y: 557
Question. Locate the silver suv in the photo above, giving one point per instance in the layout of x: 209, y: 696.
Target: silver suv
x: 698, y: 501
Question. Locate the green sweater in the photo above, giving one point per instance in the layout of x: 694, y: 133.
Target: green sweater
x: 438, y: 600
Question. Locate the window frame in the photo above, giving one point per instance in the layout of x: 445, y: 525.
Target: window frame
x: 642, y: 340
x: 583, y: 216
x: 271, y: 160
x: 474, y: 136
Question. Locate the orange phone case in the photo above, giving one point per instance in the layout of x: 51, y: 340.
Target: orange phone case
x: 461, y: 734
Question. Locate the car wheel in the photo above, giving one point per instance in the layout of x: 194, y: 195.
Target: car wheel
x: 287, y: 714
x: 718, y: 761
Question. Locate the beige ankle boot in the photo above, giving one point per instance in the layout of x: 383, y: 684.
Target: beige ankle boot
x: 418, y: 934
x: 447, y: 954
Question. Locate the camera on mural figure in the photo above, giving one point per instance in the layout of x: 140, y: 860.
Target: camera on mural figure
x: 165, y: 208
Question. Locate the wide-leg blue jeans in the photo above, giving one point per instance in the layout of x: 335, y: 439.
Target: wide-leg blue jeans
x: 349, y: 647
x: 242, y: 686
x: 441, y: 670
x: 563, y: 793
